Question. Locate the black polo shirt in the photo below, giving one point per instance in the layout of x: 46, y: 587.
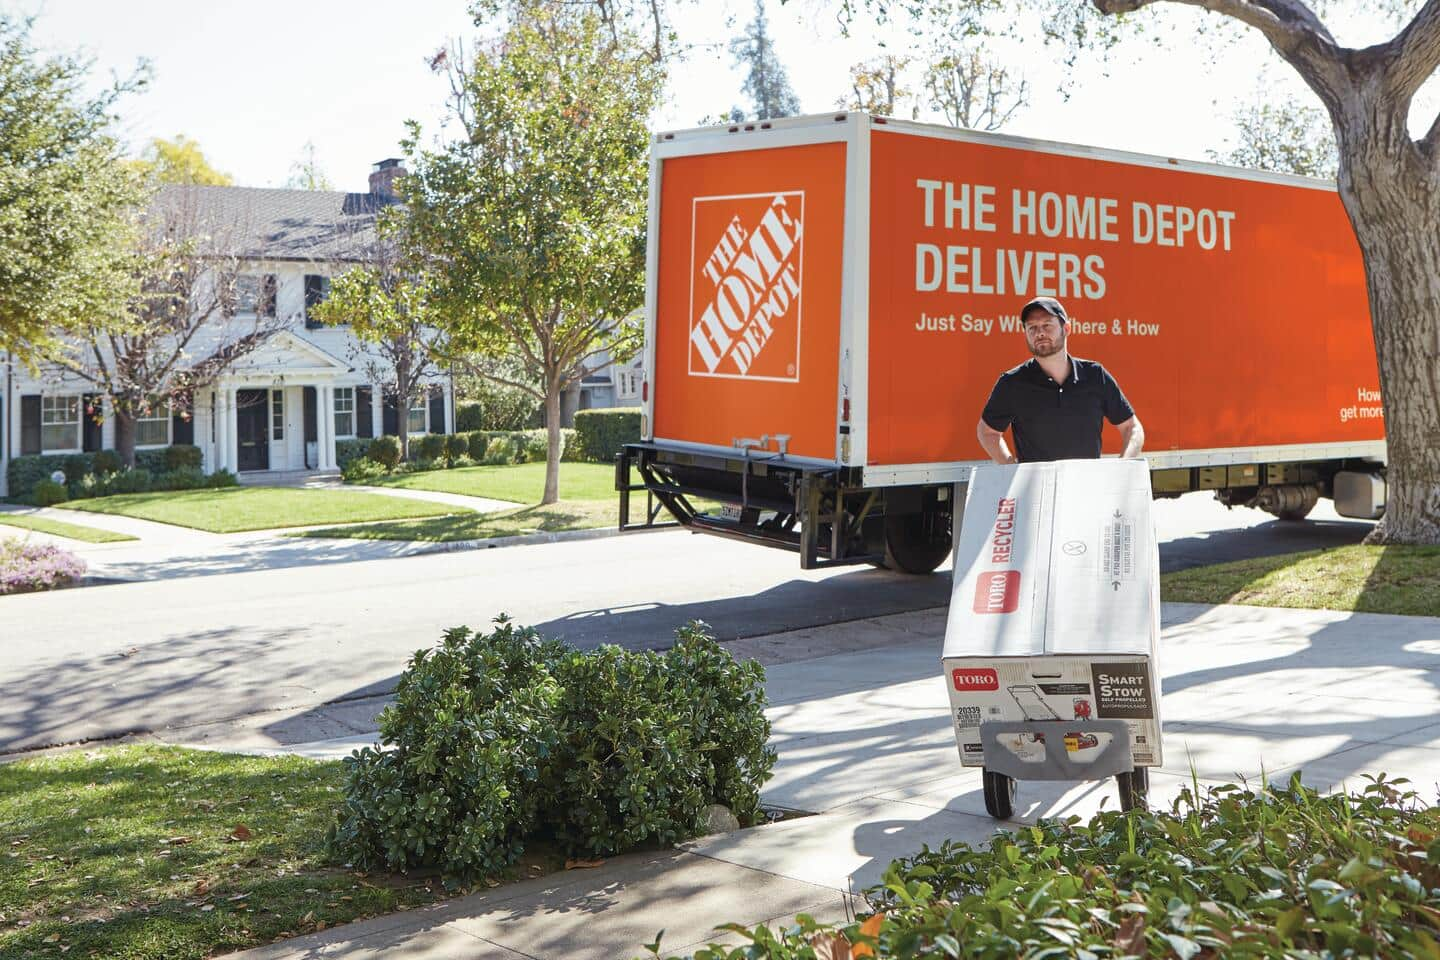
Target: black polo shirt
x: 1056, y: 421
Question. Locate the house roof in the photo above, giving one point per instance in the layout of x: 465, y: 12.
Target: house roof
x: 272, y: 224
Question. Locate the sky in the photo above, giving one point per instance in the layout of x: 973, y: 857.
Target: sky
x: 254, y: 82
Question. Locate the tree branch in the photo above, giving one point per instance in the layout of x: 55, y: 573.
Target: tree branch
x: 1415, y: 52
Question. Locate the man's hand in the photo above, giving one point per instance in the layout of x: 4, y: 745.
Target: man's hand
x: 1132, y: 434
x: 994, y: 443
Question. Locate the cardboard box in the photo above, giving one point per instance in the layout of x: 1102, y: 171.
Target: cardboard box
x: 1055, y: 607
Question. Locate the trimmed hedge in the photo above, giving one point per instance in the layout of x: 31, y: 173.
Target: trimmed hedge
x: 602, y: 432
x: 498, y: 739
x: 469, y: 417
x: 384, y: 451
x: 523, y: 446
x: 351, y: 449
x: 24, y: 472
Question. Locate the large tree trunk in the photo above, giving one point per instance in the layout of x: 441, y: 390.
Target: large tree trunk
x: 1393, y: 197
x: 125, y: 438
x: 552, y: 437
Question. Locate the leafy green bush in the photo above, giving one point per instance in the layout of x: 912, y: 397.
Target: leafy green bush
x: 90, y: 485
x: 76, y: 466
x: 469, y: 417
x: 495, y: 407
x: 602, y: 432
x: 350, y: 449
x: 385, y: 451
x: 135, y: 480
x: 24, y: 472
x: 47, y: 493
x: 430, y: 446
x: 533, y: 446
x: 456, y: 446
x: 181, y: 478
x: 361, y: 470
x: 106, y: 461
x: 477, y: 440
x: 1279, y: 872
x: 182, y: 456
x: 502, y: 449
x: 495, y: 739
x: 222, y: 478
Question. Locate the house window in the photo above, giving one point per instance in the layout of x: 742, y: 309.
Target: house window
x: 417, y: 418
x: 317, y: 290
x: 153, y: 428
x: 60, y: 423
x: 277, y: 414
x: 627, y: 384
x: 344, y: 411
x: 255, y: 295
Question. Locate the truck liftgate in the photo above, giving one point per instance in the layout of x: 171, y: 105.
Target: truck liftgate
x: 821, y: 513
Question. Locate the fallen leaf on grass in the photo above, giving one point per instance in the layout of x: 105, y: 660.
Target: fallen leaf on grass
x: 53, y: 938
x: 240, y: 833
x: 177, y: 841
x: 578, y: 864
x: 201, y: 888
x: 831, y: 946
x: 1130, y: 938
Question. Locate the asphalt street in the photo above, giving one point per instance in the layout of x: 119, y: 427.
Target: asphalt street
x: 107, y: 661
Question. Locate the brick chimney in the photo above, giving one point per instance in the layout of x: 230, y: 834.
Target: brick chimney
x: 383, y: 176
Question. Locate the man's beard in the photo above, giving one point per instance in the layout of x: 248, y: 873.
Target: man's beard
x: 1054, y: 347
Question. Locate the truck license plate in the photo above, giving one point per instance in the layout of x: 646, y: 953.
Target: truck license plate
x: 730, y: 511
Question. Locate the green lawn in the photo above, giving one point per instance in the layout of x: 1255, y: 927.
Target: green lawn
x: 565, y: 515
x: 522, y: 482
x: 1360, y: 578
x: 137, y: 852
x: 259, y: 508
x: 61, y: 529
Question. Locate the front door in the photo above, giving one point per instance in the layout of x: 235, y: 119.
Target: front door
x: 252, y: 417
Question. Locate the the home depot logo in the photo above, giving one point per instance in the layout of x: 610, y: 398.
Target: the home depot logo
x: 975, y: 678
x: 997, y: 591
x: 746, y: 255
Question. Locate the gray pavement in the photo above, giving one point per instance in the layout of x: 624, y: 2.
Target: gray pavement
x: 292, y: 624
x: 860, y: 721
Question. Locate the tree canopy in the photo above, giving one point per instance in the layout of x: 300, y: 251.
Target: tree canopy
x: 766, y: 82
x: 180, y: 161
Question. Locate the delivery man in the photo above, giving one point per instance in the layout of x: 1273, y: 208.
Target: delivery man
x: 1054, y: 401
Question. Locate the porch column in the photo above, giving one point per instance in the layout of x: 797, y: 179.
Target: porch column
x: 232, y: 433
x: 325, y: 425
x: 377, y: 409
x: 220, y: 449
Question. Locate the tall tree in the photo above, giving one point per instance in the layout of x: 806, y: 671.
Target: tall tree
x: 1284, y: 136
x: 306, y: 173
x: 766, y: 83
x: 180, y: 161
x: 878, y: 86
x: 187, y: 315
x: 971, y: 90
x: 66, y: 197
x: 393, y: 312
x: 534, y: 219
x: 1389, y: 182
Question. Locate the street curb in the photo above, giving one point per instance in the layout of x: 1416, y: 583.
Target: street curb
x: 527, y: 539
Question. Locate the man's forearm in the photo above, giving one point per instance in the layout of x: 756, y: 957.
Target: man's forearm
x: 1134, y: 442
x: 994, y: 445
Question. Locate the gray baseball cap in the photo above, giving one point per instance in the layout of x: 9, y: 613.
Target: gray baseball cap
x: 1049, y: 304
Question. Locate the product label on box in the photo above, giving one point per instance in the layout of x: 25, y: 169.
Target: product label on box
x: 976, y: 678
x: 997, y: 591
x: 1122, y: 691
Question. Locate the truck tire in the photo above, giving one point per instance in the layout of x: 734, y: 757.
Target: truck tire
x: 999, y: 794
x: 1133, y: 788
x: 913, y: 544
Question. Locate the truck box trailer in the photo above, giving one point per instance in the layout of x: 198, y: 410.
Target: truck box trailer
x: 830, y: 299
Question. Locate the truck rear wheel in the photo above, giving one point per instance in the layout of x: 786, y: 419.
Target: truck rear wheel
x: 1133, y: 788
x: 917, y: 542
x: 999, y: 794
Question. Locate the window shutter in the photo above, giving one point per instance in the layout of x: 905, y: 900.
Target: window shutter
x: 437, y: 409
x: 29, y: 424
x: 182, y: 429
x: 314, y: 294
x: 90, y: 412
x: 364, y: 413
x: 390, y: 419
x: 269, y: 286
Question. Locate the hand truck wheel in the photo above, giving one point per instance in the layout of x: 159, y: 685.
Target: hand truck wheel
x: 999, y: 795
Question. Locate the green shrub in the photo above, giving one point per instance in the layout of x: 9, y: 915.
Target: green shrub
x: 502, y: 449
x: 47, y: 493
x: 182, y: 456
x: 135, y: 480
x: 477, y: 441
x: 430, y: 446
x: 462, y: 461
x: 152, y: 461
x: 90, y: 485
x: 532, y: 446
x: 570, y: 450
x: 456, y: 446
x: 351, y: 449
x: 76, y: 466
x: 495, y: 739
x: 222, y: 478
x: 361, y: 470
x: 469, y: 417
x: 181, y: 478
x: 24, y: 472
x: 106, y: 461
x: 385, y: 451
x: 604, y: 431
x: 1278, y: 872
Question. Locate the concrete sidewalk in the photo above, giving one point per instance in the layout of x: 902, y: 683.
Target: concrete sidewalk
x: 860, y: 720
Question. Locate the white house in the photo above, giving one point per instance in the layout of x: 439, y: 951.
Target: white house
x: 281, y: 407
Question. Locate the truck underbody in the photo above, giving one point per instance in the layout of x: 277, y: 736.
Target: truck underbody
x: 830, y: 518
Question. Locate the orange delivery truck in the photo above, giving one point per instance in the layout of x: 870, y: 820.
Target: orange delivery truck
x: 830, y: 299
